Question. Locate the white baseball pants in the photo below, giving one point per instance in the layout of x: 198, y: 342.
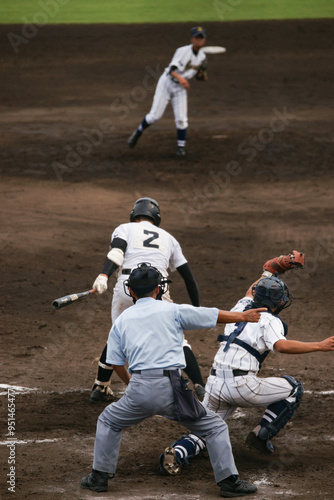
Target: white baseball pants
x: 168, y: 90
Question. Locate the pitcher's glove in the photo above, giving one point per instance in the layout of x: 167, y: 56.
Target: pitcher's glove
x: 283, y: 263
x: 202, y: 73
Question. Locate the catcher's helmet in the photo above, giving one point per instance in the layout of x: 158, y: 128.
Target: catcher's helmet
x: 272, y: 293
x: 148, y: 208
x: 144, y: 279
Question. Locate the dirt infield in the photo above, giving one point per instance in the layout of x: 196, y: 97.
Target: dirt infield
x: 257, y: 181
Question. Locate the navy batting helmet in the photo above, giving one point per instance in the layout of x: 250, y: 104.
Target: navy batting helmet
x: 146, y: 207
x: 144, y: 279
x: 272, y: 293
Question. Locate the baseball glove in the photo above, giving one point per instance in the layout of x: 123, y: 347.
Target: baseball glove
x: 285, y: 262
x: 202, y: 73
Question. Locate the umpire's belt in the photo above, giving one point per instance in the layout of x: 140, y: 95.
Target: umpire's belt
x: 229, y: 373
x: 156, y: 372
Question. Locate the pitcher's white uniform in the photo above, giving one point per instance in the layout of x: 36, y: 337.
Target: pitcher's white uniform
x: 186, y: 63
x: 224, y: 392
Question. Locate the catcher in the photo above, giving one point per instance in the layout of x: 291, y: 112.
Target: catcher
x: 234, y: 381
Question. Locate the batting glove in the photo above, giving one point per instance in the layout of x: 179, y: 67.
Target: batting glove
x: 101, y: 283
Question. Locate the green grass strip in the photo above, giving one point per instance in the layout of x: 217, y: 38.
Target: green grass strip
x: 159, y: 11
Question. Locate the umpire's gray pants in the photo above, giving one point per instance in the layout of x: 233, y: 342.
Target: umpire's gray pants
x: 150, y: 395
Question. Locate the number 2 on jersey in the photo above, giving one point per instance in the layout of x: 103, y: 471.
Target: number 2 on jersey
x: 148, y: 242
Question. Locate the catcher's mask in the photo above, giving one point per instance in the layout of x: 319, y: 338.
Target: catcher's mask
x: 148, y: 208
x: 144, y: 279
x: 272, y: 293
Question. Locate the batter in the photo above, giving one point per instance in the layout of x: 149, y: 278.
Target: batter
x: 142, y: 240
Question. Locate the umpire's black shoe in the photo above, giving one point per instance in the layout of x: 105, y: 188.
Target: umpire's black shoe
x: 132, y: 141
x: 233, y: 487
x: 95, y: 481
x: 262, y: 445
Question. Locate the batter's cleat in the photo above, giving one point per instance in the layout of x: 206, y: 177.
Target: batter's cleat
x: 169, y: 466
x: 95, y: 481
x: 262, y: 445
x: 234, y: 487
x: 181, y: 152
x: 133, y: 139
x: 102, y: 395
x: 200, y: 391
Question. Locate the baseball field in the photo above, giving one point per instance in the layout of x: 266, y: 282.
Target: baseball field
x: 257, y: 182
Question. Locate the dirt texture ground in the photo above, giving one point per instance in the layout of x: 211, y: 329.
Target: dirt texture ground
x: 257, y: 182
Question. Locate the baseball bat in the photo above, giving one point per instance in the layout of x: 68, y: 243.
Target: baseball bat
x: 69, y: 299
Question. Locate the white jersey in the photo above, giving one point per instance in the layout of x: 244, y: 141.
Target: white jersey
x: 187, y: 62
x: 145, y: 243
x: 261, y: 336
x: 151, y: 244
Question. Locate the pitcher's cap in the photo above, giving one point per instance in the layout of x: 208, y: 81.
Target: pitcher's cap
x: 198, y: 31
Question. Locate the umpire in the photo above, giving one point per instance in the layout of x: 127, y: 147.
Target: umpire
x: 149, y: 335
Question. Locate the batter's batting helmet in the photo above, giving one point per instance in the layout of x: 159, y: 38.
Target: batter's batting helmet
x: 144, y: 279
x: 148, y: 208
x: 272, y: 293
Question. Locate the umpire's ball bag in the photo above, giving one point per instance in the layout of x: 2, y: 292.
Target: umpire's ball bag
x: 186, y: 406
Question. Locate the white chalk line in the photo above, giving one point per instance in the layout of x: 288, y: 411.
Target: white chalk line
x: 321, y: 393
x: 26, y: 390
x: 11, y: 441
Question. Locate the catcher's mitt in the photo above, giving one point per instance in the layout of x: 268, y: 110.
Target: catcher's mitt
x: 285, y: 262
x: 202, y: 73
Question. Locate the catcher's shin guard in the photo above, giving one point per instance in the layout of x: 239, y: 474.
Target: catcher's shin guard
x: 278, y: 414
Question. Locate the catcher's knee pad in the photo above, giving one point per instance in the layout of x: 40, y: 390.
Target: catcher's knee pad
x: 188, y: 446
x: 297, y: 390
x: 278, y: 414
